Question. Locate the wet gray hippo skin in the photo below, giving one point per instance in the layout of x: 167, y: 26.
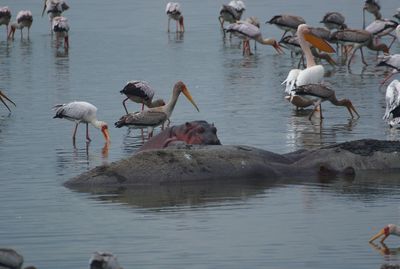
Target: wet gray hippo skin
x: 194, y: 163
x: 194, y: 133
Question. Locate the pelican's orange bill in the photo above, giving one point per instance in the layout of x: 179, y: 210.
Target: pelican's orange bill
x: 319, y: 43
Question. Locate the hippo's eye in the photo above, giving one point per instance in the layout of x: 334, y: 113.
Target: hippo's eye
x: 201, y: 130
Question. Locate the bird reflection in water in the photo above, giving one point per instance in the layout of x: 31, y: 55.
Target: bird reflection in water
x: 176, y: 37
x: 384, y: 250
x: 132, y: 140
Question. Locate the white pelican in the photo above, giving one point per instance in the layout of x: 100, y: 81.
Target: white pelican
x: 54, y: 8
x: 5, y: 17
x: 287, y: 22
x: 319, y: 93
x: 357, y: 39
x: 24, y: 19
x: 104, y: 260
x: 2, y: 95
x: 386, y: 231
x: 334, y: 20
x: 372, y: 7
x: 79, y: 111
x: 140, y: 92
x: 313, y: 73
x: 60, y: 27
x: 174, y: 12
x: 392, y: 61
x: 247, y: 31
x: 156, y: 116
x: 392, y: 99
x: 382, y: 27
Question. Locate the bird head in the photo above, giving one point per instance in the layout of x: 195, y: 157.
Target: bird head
x: 350, y: 107
x: 104, y: 129
x: 181, y: 87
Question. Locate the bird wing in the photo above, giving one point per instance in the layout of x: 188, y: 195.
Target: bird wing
x: 392, y: 61
x: 243, y: 28
x: 334, y: 18
x: 77, y: 110
x: 317, y: 90
x: 286, y: 20
x: 24, y: 15
x: 140, y: 89
x: 392, y: 99
x: 142, y: 118
x: 173, y: 7
x: 60, y: 24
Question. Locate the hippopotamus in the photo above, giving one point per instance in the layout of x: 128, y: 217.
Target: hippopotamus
x: 210, y: 163
x: 192, y: 133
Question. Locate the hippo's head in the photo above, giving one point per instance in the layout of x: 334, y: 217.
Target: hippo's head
x: 196, y: 133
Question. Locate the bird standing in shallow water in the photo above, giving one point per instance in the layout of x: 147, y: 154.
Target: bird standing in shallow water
x: 140, y: 92
x: 2, y: 95
x: 5, y: 17
x: 24, y: 19
x: 79, y: 111
x: 54, y: 8
x: 392, y: 61
x: 287, y: 22
x: 156, y: 116
x: 389, y: 229
x: 60, y: 27
x: 174, y: 12
x: 320, y: 93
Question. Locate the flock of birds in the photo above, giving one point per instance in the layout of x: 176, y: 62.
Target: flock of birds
x: 304, y: 86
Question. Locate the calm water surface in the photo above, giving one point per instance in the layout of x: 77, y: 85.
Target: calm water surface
x: 304, y: 225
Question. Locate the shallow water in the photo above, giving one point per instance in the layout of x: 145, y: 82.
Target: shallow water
x: 307, y: 225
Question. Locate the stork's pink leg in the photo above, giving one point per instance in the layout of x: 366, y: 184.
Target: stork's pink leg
x: 123, y: 103
x: 74, y: 134
x: 87, y: 133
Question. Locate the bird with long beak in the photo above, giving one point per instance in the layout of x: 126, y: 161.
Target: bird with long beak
x: 247, y: 31
x: 2, y: 95
x: 5, y: 17
x: 372, y: 7
x: 79, y: 111
x: 321, y: 93
x: 174, y: 12
x: 24, y: 19
x: 60, y: 27
x: 390, y: 229
x: 156, y: 116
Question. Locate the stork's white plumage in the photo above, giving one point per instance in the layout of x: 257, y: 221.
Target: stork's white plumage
x: 390, y: 229
x: 392, y: 99
x: 5, y: 17
x: 313, y: 74
x: 238, y: 5
x: 80, y: 111
x: 104, y: 260
x: 247, y: 31
x: 24, y: 19
x: 60, y: 27
x: 174, y: 12
x: 382, y: 27
x: 392, y: 61
x: 54, y: 8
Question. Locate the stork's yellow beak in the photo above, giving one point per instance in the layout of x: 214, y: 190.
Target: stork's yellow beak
x: 319, y: 43
x: 186, y: 92
x: 381, y: 232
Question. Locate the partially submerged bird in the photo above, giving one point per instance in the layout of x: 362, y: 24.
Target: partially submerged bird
x: 392, y: 61
x: 24, y: 19
x: 156, y: 116
x: 140, y: 92
x: 5, y: 17
x: 174, y: 12
x: 80, y: 111
x: 104, y: 260
x: 319, y: 93
x: 60, y: 27
x: 2, y: 95
x: 390, y: 229
x: 247, y: 31
x: 392, y: 98
x: 287, y: 22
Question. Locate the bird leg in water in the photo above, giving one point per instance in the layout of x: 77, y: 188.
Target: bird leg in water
x: 169, y: 20
x: 74, y: 134
x: 317, y: 106
x: 87, y: 133
x: 123, y: 103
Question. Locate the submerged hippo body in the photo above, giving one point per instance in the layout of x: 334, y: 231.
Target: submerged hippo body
x: 193, y: 163
x: 193, y: 133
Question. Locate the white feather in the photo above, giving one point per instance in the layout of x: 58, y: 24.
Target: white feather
x: 392, y: 98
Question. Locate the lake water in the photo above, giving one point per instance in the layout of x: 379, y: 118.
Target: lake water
x: 304, y: 225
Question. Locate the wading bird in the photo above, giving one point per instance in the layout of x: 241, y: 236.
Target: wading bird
x: 287, y: 22
x: 79, y: 111
x: 231, y: 12
x: 104, y: 260
x: 2, y: 95
x: 24, y: 19
x: 319, y: 93
x: 140, y: 92
x: 60, y: 27
x: 392, y: 98
x: 392, y: 61
x: 5, y: 17
x: 334, y: 20
x: 390, y: 229
x: 174, y: 12
x: 372, y: 7
x: 247, y: 31
x: 313, y: 73
x: 357, y: 39
x: 156, y: 116
x: 382, y: 27
x: 54, y: 8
